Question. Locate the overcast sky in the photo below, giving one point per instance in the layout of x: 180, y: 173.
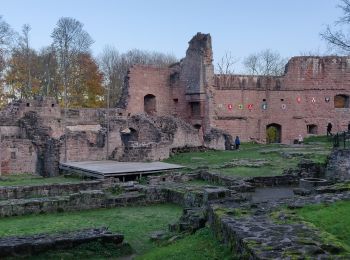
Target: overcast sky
x: 241, y: 27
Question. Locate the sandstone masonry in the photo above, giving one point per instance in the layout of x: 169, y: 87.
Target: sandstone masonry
x: 313, y: 92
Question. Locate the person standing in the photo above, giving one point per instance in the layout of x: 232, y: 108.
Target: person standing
x: 237, y: 143
x: 329, y: 129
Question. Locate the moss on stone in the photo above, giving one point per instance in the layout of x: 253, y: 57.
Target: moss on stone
x: 322, y: 238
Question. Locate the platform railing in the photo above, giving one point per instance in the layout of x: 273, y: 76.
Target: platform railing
x: 341, y: 140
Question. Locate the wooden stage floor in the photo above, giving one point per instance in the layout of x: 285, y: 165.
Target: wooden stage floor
x: 102, y: 169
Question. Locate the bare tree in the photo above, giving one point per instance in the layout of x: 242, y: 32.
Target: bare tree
x: 49, y: 77
x: 251, y: 63
x: 226, y: 64
x: 6, y: 39
x: 337, y: 38
x: 24, y: 45
x: 266, y: 62
x: 110, y: 63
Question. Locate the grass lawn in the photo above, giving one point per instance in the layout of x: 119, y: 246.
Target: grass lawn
x: 316, y: 149
x: 30, y: 179
x: 201, y: 245
x: 136, y: 223
x: 133, y: 222
x: 333, y: 218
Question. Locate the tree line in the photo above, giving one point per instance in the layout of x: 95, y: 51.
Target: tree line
x: 66, y: 69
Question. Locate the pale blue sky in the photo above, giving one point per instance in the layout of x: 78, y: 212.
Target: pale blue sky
x: 242, y: 27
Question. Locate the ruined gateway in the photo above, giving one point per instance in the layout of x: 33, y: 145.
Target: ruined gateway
x: 185, y: 104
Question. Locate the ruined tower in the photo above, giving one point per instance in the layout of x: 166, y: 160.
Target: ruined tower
x: 196, y: 76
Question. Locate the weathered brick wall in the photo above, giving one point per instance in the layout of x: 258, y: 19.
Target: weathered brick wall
x: 298, y: 99
x: 83, y: 146
x: 18, y: 156
x: 85, y: 116
x: 318, y: 73
x: 144, y: 80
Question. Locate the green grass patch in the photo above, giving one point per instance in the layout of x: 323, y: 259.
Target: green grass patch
x: 333, y: 218
x: 252, y: 172
x: 321, y: 139
x: 332, y: 222
x: 135, y: 223
x: 201, y: 245
x: 279, y: 158
x: 30, y: 179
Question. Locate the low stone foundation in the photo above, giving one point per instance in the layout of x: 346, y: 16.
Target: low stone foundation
x: 188, y: 149
x: 254, y: 232
x: 268, y: 181
x: 78, y: 201
x: 186, y: 196
x: 59, y: 189
x: 271, y: 181
x: 31, y: 245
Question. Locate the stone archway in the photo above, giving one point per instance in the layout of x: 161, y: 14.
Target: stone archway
x: 273, y: 133
x: 150, y: 104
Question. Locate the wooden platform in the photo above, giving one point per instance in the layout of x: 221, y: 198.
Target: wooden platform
x: 103, y: 169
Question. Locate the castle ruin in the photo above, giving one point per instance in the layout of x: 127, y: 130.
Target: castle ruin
x: 185, y: 104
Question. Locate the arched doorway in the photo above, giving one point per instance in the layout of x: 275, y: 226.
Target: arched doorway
x: 150, y: 105
x: 273, y: 133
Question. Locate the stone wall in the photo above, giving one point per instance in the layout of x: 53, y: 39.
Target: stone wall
x: 34, y: 141
x: 25, y: 246
x: 338, y: 166
x: 246, y: 105
x: 301, y: 102
x: 266, y: 230
x: 20, y: 192
x: 154, y: 81
x: 82, y: 200
x: 18, y: 156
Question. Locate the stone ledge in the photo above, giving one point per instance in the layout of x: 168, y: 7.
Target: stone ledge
x: 56, y: 189
x: 252, y: 232
x: 23, y: 246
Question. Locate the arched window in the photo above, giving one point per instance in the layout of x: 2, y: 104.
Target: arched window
x: 150, y: 105
x: 341, y: 101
